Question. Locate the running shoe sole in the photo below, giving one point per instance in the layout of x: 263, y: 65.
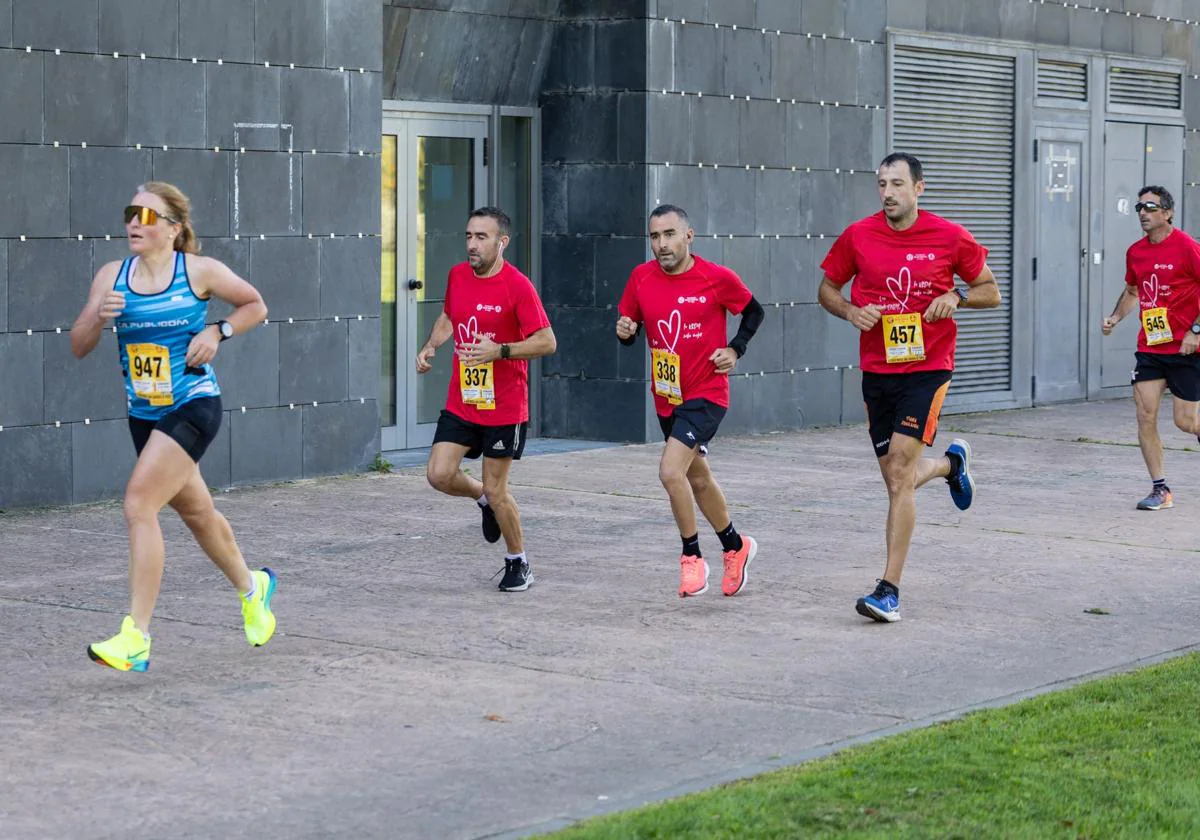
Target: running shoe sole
x: 1164, y: 506
x: 965, y: 454
x: 521, y: 588
x: 272, y: 581
x: 865, y: 609
x: 140, y: 667
x: 746, y: 568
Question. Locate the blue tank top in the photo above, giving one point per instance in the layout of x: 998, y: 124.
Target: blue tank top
x: 153, y: 334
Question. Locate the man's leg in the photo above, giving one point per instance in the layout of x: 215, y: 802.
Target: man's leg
x: 737, y: 550
x: 1147, y: 394
x: 444, y: 473
x: 1187, y: 416
x: 708, y: 494
x: 517, y: 574
x: 508, y: 515
x: 673, y: 467
x: 901, y: 468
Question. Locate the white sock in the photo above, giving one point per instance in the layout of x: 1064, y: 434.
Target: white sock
x: 482, y: 500
x: 520, y: 556
x: 249, y: 593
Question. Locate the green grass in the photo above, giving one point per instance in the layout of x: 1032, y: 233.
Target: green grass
x: 1113, y: 758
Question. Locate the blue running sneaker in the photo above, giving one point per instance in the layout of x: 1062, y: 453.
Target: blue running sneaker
x: 881, y: 605
x: 962, y: 486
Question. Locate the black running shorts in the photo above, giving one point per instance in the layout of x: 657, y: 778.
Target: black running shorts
x: 488, y: 441
x: 694, y: 423
x: 908, y: 403
x: 193, y: 426
x: 1181, y: 372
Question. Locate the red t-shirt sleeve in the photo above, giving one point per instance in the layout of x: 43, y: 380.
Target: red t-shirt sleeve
x: 628, y: 305
x: 839, y: 264
x: 731, y: 291
x: 1130, y: 277
x: 969, y: 256
x: 531, y: 315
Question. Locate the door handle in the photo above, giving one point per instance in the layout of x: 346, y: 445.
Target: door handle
x: 413, y: 285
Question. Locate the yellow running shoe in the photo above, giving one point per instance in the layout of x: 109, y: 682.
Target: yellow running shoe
x: 129, y: 650
x: 256, y: 610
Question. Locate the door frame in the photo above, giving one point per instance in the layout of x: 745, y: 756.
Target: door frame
x: 1049, y: 131
x: 407, y: 126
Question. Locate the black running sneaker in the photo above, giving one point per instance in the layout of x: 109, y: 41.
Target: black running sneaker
x: 491, y: 528
x: 517, y: 576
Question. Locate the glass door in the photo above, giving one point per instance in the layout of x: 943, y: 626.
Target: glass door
x: 438, y: 177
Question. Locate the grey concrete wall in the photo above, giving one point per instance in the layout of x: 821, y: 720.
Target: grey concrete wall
x: 594, y: 186
x: 100, y: 95
x: 479, y: 51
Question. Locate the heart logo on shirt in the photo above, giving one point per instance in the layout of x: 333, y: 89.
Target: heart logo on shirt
x: 901, y: 287
x: 1150, y: 287
x: 466, y: 332
x: 669, y: 329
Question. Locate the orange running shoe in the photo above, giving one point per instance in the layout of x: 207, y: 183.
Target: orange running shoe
x: 736, y: 564
x: 693, y: 576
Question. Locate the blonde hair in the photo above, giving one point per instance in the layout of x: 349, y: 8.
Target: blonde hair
x: 180, y: 208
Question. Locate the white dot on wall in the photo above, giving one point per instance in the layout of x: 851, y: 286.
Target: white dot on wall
x: 314, y: 403
x: 87, y: 421
x: 83, y: 145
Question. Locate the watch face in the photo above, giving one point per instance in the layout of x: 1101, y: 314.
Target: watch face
x: 1196, y: 329
x: 226, y: 329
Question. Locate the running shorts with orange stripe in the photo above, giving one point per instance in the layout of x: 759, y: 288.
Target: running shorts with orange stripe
x: 907, y: 403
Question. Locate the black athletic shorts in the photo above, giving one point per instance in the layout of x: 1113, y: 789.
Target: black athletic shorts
x: 693, y: 423
x: 488, y: 441
x: 1181, y: 372
x: 193, y: 426
x: 908, y: 403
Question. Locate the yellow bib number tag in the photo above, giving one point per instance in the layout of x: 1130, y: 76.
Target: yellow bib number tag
x: 478, y: 385
x: 903, y: 338
x: 150, y: 373
x: 1156, y: 326
x: 666, y: 375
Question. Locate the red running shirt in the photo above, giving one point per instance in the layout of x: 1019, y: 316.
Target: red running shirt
x: 685, y: 314
x: 506, y: 309
x: 1167, y: 276
x: 903, y: 271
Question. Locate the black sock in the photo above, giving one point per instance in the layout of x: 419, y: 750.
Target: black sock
x: 888, y: 586
x: 691, y: 545
x: 955, y: 463
x: 730, y: 539
x: 1160, y: 484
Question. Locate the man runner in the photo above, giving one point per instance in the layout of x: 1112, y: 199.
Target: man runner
x: 683, y: 299
x: 1162, y: 280
x: 496, y: 319
x: 903, y: 261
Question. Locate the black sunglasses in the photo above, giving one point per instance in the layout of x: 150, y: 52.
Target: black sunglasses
x: 1149, y: 206
x: 146, y: 216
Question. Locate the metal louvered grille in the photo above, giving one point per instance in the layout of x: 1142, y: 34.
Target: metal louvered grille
x: 1144, y: 88
x: 955, y: 112
x: 1062, y: 80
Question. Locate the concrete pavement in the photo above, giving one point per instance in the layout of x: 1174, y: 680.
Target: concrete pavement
x: 404, y: 696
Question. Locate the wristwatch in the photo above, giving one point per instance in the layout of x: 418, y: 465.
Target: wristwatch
x: 226, y: 329
x: 1195, y: 329
x: 505, y: 351
x: 962, y: 294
